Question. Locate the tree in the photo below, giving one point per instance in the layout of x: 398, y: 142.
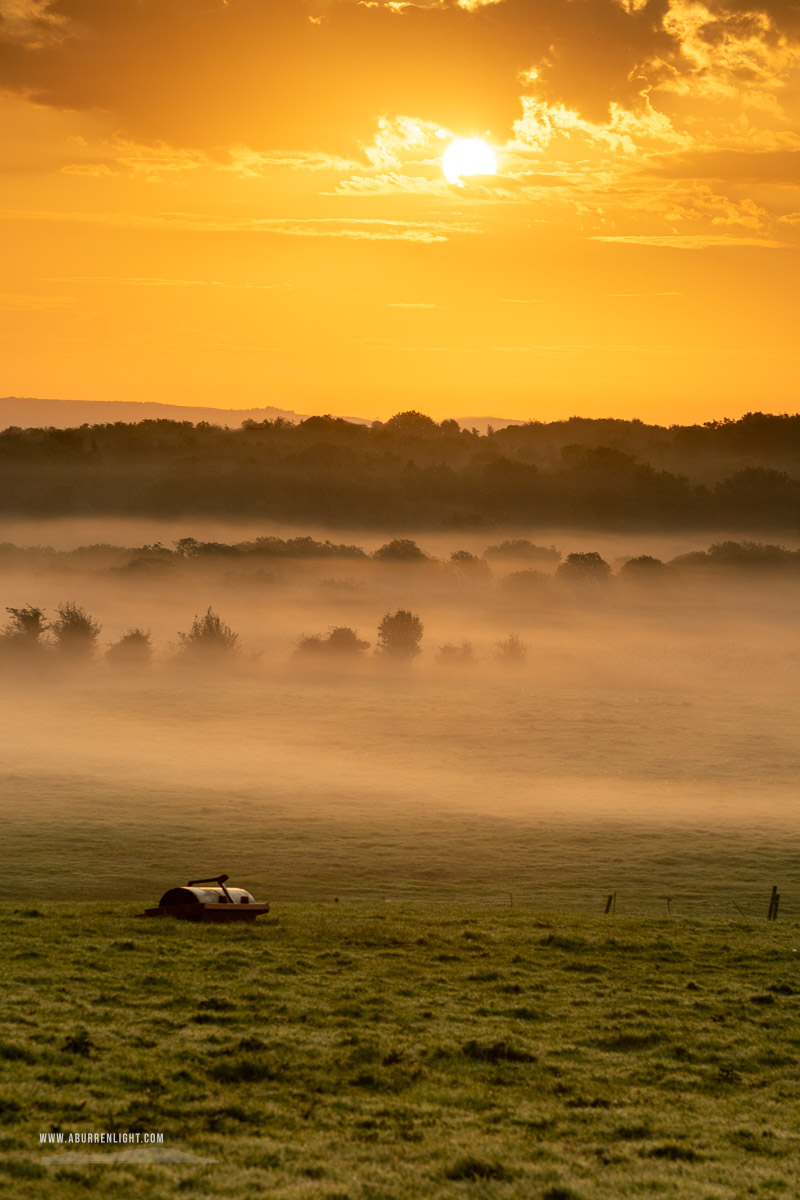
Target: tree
x: 133, y: 651
x: 208, y: 639
x: 400, y: 550
x: 584, y: 570
x: 341, y: 642
x: 469, y: 566
x: 399, y: 634
x: 511, y: 651
x: 645, y: 570
x: 25, y: 627
x: 522, y: 548
x: 75, y: 632
x: 526, y: 585
x: 412, y: 422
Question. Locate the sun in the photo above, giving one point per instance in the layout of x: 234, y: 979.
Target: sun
x: 468, y: 156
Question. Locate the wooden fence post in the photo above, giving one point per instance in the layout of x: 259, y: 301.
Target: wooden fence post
x: 772, y: 912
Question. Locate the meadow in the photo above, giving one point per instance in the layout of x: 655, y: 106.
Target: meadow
x: 437, y: 1005
x: 393, y: 1051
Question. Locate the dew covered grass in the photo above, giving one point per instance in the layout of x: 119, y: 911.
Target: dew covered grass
x: 397, y: 1051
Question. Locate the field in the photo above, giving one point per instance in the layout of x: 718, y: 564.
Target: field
x: 393, y: 1051
x: 437, y: 1005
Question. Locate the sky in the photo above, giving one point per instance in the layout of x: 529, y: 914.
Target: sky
x: 242, y: 202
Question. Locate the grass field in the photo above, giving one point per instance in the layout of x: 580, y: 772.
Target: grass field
x: 436, y: 1006
x: 393, y: 1052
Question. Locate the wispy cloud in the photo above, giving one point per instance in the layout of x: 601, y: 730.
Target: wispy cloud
x: 689, y: 241
x: 639, y: 295
x: 154, y: 161
x: 410, y: 304
x: 353, y: 228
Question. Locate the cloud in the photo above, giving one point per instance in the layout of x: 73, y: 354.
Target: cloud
x: 31, y: 22
x: 410, y: 304
x: 153, y: 161
x: 352, y: 228
x: 390, y: 185
x: 724, y: 54
x: 146, y: 281
x: 200, y: 74
x: 696, y: 241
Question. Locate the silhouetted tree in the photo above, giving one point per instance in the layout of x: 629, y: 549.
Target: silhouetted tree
x: 25, y: 627
x: 750, y: 554
x: 469, y: 566
x: 400, y: 550
x: 584, y: 570
x: 521, y: 548
x: 75, y: 632
x: 133, y: 651
x: 643, y: 566
x: 208, y: 639
x: 511, y: 651
x: 399, y: 634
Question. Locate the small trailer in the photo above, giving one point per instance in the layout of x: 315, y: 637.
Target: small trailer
x: 196, y: 902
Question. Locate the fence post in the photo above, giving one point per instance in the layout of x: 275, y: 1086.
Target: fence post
x: 772, y: 912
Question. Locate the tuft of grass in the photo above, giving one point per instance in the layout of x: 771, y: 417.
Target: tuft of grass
x: 472, y: 1169
x: 496, y: 1052
x: 78, y: 1043
x: 674, y: 1153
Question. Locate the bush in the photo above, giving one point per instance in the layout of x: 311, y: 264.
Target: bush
x: 511, y: 651
x: 209, y: 638
x: 341, y: 642
x: 21, y: 637
x: 133, y: 650
x: 75, y: 632
x: 455, y: 656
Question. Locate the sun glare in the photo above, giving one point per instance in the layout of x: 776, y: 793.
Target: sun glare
x: 468, y: 156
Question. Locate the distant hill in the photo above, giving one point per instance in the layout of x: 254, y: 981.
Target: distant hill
x: 31, y: 412
x: 482, y: 424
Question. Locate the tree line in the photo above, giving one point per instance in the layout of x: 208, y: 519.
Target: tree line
x: 187, y: 552
x: 72, y: 639
x: 415, y: 472
x: 72, y: 636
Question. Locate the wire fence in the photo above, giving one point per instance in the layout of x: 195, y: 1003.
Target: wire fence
x: 720, y: 903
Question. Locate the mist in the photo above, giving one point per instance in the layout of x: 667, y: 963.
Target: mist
x: 644, y: 740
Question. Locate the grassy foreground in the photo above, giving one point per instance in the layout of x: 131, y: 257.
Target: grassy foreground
x: 353, y: 1052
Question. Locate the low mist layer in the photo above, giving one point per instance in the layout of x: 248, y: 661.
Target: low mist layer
x: 640, y: 736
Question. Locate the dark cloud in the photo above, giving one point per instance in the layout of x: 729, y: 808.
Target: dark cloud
x: 204, y: 73
x: 735, y: 166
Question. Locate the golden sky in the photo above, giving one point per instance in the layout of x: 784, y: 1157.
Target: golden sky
x: 241, y: 202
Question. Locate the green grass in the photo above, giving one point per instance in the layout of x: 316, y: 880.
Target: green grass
x: 388, y: 1052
